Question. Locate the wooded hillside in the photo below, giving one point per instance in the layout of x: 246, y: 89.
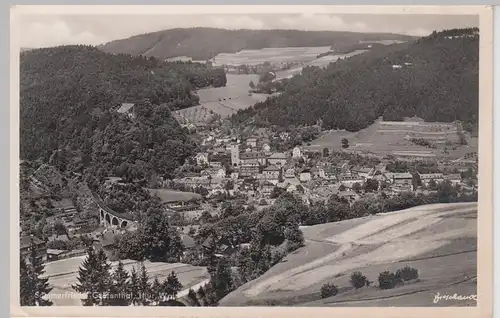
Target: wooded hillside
x: 69, y: 100
x: 205, y: 43
x: 435, y: 78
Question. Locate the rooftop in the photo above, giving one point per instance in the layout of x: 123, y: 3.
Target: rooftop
x: 26, y: 241
x: 125, y: 107
x: 188, y: 241
x: 404, y: 175
x: 272, y: 168
x: 278, y: 155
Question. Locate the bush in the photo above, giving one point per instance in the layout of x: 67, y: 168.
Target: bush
x: 407, y: 273
x: 358, y: 280
x: 328, y: 290
x: 388, y: 280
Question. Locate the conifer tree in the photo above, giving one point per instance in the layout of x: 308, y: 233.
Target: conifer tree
x: 134, y: 286
x: 144, y: 286
x: 94, y: 278
x: 25, y: 284
x: 201, y: 295
x: 32, y: 286
x: 156, y: 291
x: 192, y: 298
x: 103, y: 274
x: 120, y: 287
x: 221, y: 281
x: 172, y: 286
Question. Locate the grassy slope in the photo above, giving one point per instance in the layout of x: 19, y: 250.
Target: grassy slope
x: 443, y: 233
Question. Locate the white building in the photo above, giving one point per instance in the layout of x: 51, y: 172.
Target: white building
x: 201, y: 158
x: 297, y: 153
x: 305, y: 175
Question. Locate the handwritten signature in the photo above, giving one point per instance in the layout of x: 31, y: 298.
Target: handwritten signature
x: 438, y: 297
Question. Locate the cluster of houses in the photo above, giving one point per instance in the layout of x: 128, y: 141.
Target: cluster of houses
x: 256, y: 170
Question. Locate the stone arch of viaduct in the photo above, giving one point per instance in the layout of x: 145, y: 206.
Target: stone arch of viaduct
x: 110, y: 219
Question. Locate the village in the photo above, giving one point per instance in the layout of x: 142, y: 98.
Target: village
x: 248, y: 172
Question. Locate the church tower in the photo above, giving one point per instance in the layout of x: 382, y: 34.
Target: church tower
x: 235, y: 154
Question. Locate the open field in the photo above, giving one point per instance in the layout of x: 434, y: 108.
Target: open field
x: 167, y: 195
x: 319, y: 62
x: 387, y: 138
x: 272, y: 55
x: 439, y: 240
x: 222, y: 101
x: 63, y: 273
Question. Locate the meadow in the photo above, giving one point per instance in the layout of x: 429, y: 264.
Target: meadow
x: 389, y: 139
x: 272, y: 55
x: 222, y: 101
x: 439, y: 240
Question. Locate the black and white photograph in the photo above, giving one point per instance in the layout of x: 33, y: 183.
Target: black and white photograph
x: 308, y: 159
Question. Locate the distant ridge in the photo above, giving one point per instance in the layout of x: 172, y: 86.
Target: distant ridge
x: 205, y: 43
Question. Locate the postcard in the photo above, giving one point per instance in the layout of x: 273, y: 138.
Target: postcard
x: 257, y: 160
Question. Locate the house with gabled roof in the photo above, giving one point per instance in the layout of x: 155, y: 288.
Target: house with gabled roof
x: 127, y: 109
x: 277, y: 158
x: 29, y: 242
x: 363, y: 172
x: 272, y: 172
x: 305, y: 175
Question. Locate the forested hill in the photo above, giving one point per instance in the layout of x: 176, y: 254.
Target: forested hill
x: 435, y: 78
x: 69, y: 101
x: 205, y: 43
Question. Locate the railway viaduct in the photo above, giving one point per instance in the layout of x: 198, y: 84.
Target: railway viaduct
x: 109, y: 218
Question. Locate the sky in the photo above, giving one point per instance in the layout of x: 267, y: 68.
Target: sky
x: 51, y: 30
